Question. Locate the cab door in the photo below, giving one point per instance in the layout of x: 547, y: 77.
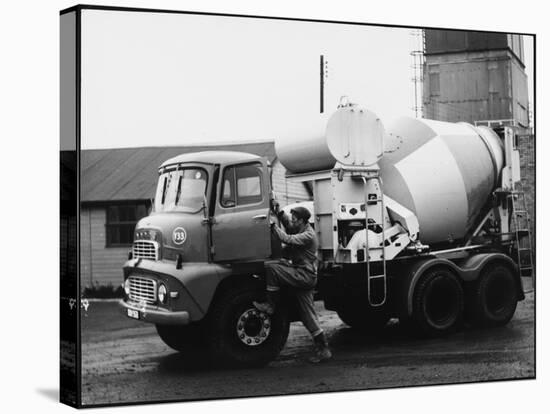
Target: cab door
x: 240, y: 228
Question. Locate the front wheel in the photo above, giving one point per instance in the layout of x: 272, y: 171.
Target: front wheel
x: 189, y: 340
x: 438, y: 303
x: 181, y: 338
x: 240, y: 335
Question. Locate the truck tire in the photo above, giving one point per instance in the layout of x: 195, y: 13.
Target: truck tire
x: 240, y: 335
x: 188, y: 340
x: 179, y: 338
x: 438, y: 303
x: 493, y: 299
x: 357, y: 317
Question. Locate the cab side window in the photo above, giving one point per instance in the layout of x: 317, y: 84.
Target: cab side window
x: 228, y: 197
x: 242, y: 185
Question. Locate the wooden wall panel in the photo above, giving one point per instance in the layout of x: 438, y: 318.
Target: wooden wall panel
x: 100, y: 265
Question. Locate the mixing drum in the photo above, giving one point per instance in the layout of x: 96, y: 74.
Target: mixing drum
x: 443, y: 172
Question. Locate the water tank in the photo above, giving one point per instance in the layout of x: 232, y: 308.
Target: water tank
x: 443, y: 172
x: 354, y: 136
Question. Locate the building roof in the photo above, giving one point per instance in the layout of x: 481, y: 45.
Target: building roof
x: 131, y: 173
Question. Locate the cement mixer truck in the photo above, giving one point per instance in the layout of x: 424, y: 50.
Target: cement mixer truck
x: 421, y: 221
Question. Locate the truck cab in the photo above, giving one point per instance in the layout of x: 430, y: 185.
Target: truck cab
x: 202, y: 198
x: 211, y: 210
x: 208, y: 234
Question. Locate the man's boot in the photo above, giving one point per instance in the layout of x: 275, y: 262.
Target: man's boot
x: 322, y: 351
x: 269, y: 305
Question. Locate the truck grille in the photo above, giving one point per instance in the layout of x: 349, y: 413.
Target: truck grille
x: 145, y: 249
x: 143, y: 290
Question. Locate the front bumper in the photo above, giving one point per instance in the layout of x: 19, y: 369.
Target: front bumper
x: 155, y: 315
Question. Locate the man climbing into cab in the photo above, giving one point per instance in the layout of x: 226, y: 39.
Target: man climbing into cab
x: 297, y: 270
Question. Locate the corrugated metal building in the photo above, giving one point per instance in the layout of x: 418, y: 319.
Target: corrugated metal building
x: 116, y: 188
x: 474, y: 76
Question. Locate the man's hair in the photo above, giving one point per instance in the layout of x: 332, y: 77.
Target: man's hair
x: 301, y: 213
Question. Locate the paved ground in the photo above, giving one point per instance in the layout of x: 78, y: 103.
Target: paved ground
x: 125, y: 361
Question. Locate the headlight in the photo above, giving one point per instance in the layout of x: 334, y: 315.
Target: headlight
x: 127, y: 287
x: 162, y: 293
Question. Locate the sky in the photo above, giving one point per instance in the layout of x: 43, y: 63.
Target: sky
x: 172, y: 79
x: 155, y: 79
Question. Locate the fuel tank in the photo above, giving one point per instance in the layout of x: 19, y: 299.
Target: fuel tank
x: 443, y: 172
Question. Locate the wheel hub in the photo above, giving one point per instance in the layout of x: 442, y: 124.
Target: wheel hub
x: 253, y: 327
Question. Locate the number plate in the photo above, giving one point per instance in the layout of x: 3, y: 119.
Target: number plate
x: 133, y: 313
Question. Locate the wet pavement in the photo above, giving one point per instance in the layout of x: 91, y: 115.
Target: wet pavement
x: 125, y: 361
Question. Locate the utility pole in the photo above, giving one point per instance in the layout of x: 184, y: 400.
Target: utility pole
x: 322, y: 79
x: 322, y: 75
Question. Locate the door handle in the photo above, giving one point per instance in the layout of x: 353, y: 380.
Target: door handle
x: 260, y: 217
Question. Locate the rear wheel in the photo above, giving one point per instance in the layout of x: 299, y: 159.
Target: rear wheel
x: 240, y: 335
x: 438, y: 303
x: 494, y: 297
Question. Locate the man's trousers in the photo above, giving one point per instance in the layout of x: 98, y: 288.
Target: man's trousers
x: 280, y: 274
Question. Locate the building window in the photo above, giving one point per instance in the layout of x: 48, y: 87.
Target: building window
x: 121, y: 222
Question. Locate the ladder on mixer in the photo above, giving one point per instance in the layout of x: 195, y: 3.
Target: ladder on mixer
x: 377, y: 200
x: 521, y: 222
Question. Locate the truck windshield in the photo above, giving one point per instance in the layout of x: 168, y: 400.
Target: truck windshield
x: 181, y: 189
